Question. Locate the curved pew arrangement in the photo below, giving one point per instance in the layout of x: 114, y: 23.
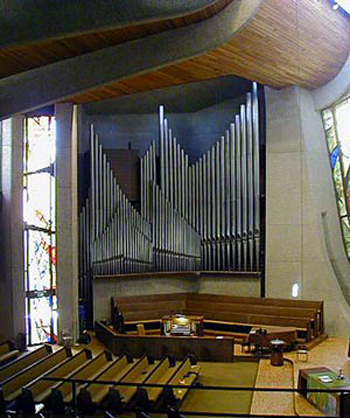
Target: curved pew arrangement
x: 226, y: 314
x: 41, y: 382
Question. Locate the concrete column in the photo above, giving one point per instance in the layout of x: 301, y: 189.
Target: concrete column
x: 299, y: 191
x: 67, y: 221
x: 12, y: 295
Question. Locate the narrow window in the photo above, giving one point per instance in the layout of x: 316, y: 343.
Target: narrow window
x: 39, y: 217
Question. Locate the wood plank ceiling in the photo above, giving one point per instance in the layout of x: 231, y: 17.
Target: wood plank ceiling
x: 16, y: 59
x: 287, y: 42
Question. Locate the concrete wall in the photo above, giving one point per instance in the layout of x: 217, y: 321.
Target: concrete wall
x: 105, y: 288
x: 67, y: 219
x: 196, y: 132
x: 299, y: 191
x: 12, y: 308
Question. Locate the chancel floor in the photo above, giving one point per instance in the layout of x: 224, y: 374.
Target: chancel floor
x: 331, y: 353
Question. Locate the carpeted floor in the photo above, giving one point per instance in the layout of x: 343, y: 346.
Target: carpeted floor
x: 238, y: 373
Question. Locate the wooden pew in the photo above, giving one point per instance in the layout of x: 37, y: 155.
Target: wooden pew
x: 204, y: 348
x: 316, y: 306
x: 38, y: 390
x: 282, y: 311
x: 92, y: 394
x: 306, y: 316
x: 185, y: 375
x: 301, y: 324
x: 119, y: 396
x: 11, y: 388
x: 24, y: 361
x: 7, y: 352
x: 148, y: 397
x: 62, y: 394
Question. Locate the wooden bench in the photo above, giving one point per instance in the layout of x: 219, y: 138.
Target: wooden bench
x: 24, y: 361
x: 7, y: 352
x: 148, y: 397
x: 186, y: 374
x: 11, y: 388
x: 62, y: 393
x: 92, y: 394
x: 38, y: 390
x: 296, y: 304
x: 119, y: 396
x: 203, y: 348
x: 303, y: 325
x: 306, y: 316
x: 234, y: 307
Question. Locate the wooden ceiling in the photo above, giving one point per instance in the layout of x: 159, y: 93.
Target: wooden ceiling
x: 17, y: 59
x: 287, y: 42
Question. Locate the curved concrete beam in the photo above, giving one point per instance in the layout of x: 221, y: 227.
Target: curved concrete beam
x: 333, y: 91
x: 49, y: 84
x: 26, y: 21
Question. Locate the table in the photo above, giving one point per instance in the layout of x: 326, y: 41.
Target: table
x: 329, y: 403
x: 258, y: 337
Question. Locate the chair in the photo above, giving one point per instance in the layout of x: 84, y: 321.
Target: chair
x: 302, y: 354
x: 245, y: 347
x: 140, y: 329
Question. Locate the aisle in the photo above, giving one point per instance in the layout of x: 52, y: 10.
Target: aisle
x: 274, y: 403
x: 239, y: 373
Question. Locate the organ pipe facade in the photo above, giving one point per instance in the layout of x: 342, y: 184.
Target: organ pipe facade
x: 200, y: 216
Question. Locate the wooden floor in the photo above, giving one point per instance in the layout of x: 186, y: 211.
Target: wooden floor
x: 331, y: 353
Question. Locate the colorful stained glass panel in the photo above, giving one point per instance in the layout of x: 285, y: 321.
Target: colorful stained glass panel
x: 39, y: 201
x: 41, y: 262
x: 343, y: 131
x: 38, y: 209
x: 40, y: 149
x: 336, y: 122
x: 40, y: 319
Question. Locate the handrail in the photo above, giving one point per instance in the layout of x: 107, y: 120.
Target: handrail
x: 194, y: 386
x: 183, y: 414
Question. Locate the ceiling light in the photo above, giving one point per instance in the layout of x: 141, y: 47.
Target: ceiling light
x: 335, y: 6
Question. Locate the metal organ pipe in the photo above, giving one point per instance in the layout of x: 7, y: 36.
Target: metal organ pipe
x: 204, y: 215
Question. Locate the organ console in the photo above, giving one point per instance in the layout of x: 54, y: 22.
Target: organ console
x: 182, y: 325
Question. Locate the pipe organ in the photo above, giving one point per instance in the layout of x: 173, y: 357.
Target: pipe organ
x: 200, y: 216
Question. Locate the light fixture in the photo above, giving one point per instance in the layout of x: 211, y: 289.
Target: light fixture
x: 335, y: 6
x: 295, y: 290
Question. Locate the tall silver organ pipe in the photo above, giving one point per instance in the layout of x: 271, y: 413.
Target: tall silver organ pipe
x: 202, y: 214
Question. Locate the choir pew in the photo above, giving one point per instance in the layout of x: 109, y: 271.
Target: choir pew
x: 267, y: 306
x: 24, y: 361
x: 11, y: 388
x: 38, y: 390
x: 306, y: 316
x: 92, y: 394
x: 62, y: 393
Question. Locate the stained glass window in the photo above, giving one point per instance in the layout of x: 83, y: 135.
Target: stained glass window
x: 39, y: 215
x: 336, y: 122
